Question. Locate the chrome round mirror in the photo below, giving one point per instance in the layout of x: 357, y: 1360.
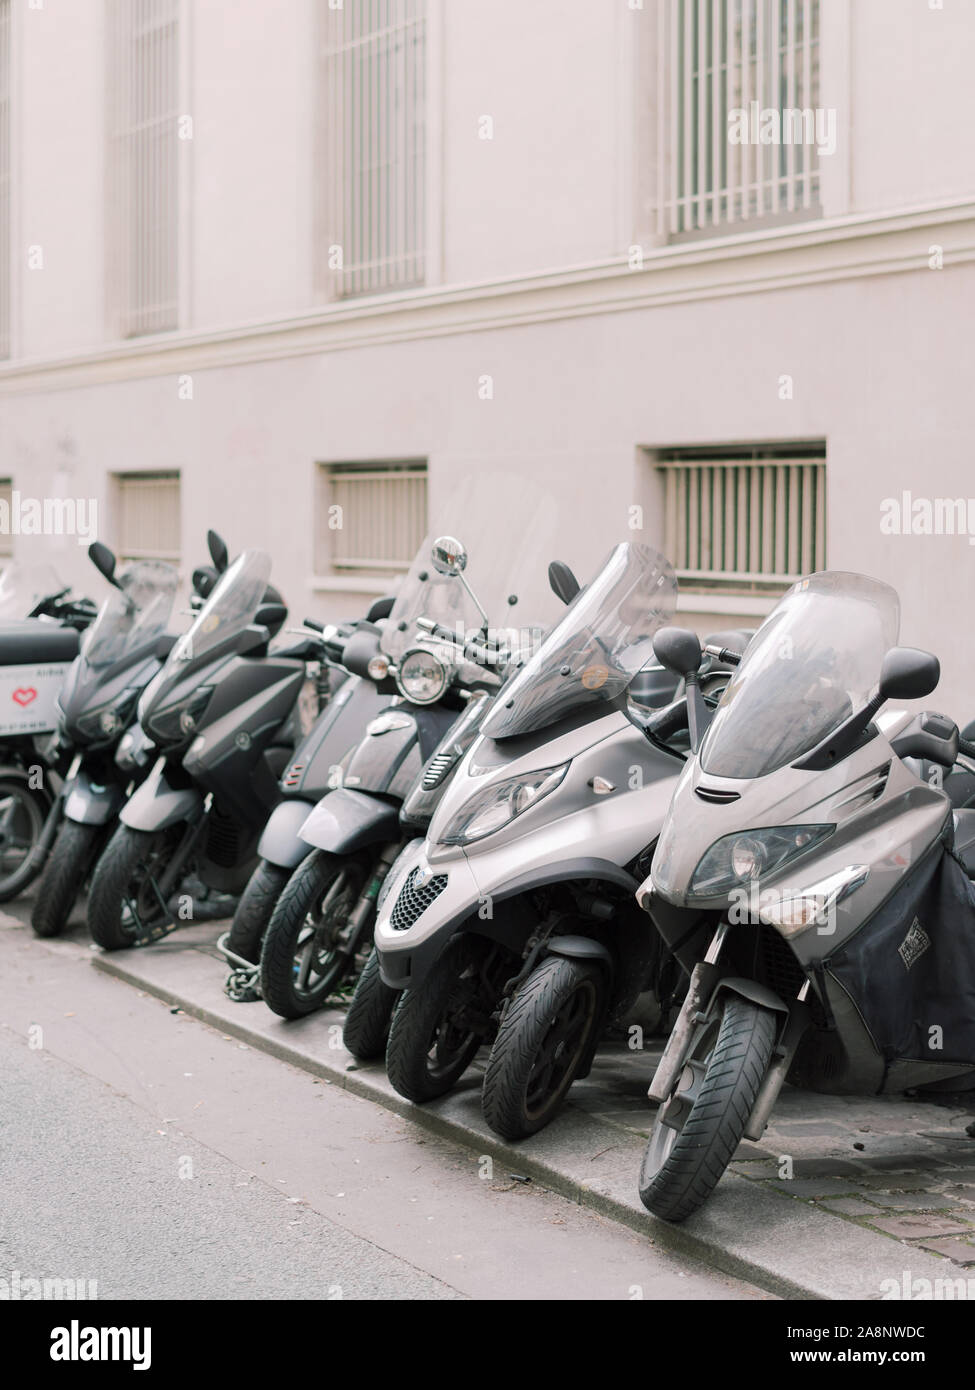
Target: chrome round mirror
x: 448, y: 556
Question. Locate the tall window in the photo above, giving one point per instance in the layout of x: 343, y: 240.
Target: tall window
x: 727, y: 71
x: 5, y: 178
x: 744, y: 519
x: 143, y: 93
x: 371, y: 146
x: 148, y: 516
x: 372, y: 517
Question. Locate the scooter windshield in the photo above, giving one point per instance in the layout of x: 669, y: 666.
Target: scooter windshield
x: 593, y: 653
x: 814, y: 661
x: 426, y: 594
x: 22, y: 587
x: 133, y: 615
x: 229, y: 609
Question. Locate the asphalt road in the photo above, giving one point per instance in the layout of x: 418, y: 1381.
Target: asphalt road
x: 145, y: 1150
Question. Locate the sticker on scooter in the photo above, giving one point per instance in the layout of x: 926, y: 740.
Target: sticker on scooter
x: 914, y: 945
x: 24, y: 696
x: 595, y: 676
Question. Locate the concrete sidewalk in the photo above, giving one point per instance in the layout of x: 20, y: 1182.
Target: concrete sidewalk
x: 881, y: 1190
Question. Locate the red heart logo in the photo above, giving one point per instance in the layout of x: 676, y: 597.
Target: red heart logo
x: 24, y: 697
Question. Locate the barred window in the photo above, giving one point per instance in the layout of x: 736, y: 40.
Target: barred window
x: 372, y: 517
x: 757, y: 58
x: 5, y: 69
x: 143, y: 95
x: 751, y: 520
x: 371, y: 146
x: 148, y: 511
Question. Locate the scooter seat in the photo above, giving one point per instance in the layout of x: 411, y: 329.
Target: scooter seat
x: 965, y: 839
x: 32, y: 640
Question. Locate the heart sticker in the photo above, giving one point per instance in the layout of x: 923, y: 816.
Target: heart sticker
x: 24, y: 697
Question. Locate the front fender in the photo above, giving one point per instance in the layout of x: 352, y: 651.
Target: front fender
x: 93, y: 803
x: 281, y: 841
x: 156, y: 805
x: 346, y: 820
x: 580, y: 948
x: 749, y: 989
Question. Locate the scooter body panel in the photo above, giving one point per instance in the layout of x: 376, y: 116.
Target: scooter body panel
x: 89, y: 802
x: 281, y: 843
x: 346, y: 820
x: 157, y: 804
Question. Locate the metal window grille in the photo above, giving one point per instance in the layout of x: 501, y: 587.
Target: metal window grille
x: 143, y: 96
x: 371, y: 146
x: 756, y: 521
x: 372, y: 517
x: 6, y: 501
x: 719, y: 56
x: 5, y: 67
x: 148, y: 516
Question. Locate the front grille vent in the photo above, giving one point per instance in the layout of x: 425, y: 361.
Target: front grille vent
x: 436, y: 770
x: 717, y: 796
x: 413, y: 901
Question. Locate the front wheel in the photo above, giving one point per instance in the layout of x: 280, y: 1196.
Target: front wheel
x: 544, y: 1036
x: 438, y: 1025
x: 308, y: 949
x: 257, y: 903
x: 367, y: 1022
x: 22, y: 816
x: 701, y: 1124
x: 64, y: 874
x: 125, y: 904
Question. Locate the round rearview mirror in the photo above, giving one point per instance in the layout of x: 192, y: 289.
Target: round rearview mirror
x: 448, y: 556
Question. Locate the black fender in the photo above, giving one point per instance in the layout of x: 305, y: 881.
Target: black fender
x: 580, y: 948
x: 346, y: 820
x: 751, y: 990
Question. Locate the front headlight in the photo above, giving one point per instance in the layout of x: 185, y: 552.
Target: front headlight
x: 495, y: 806
x: 748, y: 856
x: 422, y: 677
x: 109, y: 719
x: 176, y: 724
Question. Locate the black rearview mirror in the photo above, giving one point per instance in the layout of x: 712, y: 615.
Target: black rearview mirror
x: 219, y: 554
x: 678, y: 649
x: 103, y: 559
x: 908, y: 674
x: 380, y: 609
x: 562, y: 581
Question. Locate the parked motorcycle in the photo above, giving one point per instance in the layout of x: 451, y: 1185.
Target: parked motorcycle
x: 222, y: 713
x: 324, y: 916
x: 40, y: 626
x: 814, y: 888
x: 534, y: 850
x: 120, y: 654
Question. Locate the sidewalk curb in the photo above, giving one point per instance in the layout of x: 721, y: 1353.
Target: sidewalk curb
x: 837, y: 1259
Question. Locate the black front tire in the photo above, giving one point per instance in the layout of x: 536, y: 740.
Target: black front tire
x: 683, y: 1165
x: 254, y: 911
x: 430, y: 1047
x: 544, y: 1036
x: 370, y: 1013
x: 299, y: 967
x: 125, y: 873
x: 63, y: 878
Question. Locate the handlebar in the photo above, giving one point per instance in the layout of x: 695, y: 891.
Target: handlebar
x: 725, y: 654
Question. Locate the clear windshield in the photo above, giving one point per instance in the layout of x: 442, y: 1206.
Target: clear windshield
x: 814, y: 661
x: 513, y: 524
x: 604, y: 638
x: 229, y: 609
x: 22, y: 587
x: 133, y: 614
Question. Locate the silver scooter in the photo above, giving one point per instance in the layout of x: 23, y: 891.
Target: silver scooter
x: 540, y: 834
x: 815, y: 889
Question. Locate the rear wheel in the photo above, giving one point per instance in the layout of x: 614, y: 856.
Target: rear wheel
x: 438, y: 1026
x: 544, y: 1036
x: 307, y: 951
x: 64, y: 875
x: 125, y: 904
x: 257, y: 903
x: 22, y: 816
x: 370, y: 1013
x: 700, y: 1125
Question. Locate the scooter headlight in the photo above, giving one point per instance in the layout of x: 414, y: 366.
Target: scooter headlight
x: 422, y: 677
x: 488, y: 810
x: 176, y: 724
x: 744, y: 858
x: 107, y: 721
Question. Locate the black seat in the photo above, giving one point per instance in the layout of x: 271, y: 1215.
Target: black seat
x: 965, y: 840
x: 32, y: 640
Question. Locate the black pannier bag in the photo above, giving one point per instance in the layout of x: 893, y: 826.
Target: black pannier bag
x: 910, y: 969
